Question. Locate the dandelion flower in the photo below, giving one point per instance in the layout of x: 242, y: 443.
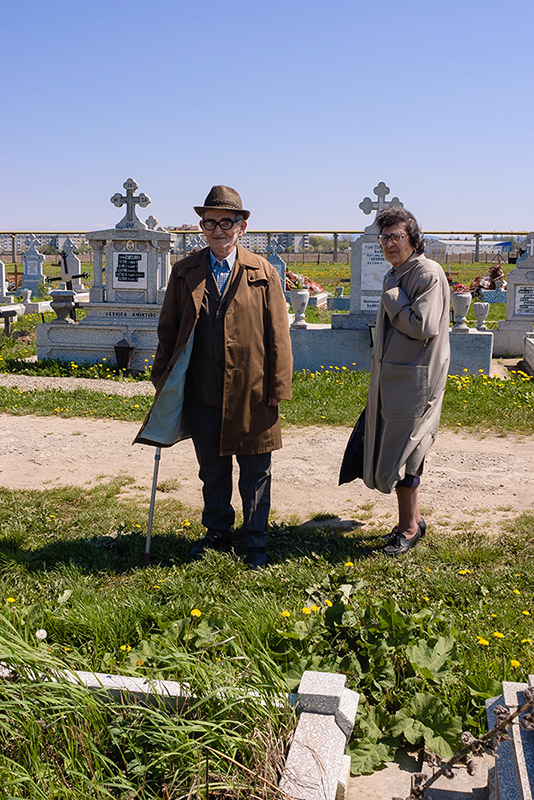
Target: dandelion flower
x: 482, y: 641
x: 493, y: 615
x: 464, y: 572
x: 306, y: 610
x: 516, y: 591
x: 314, y: 608
x: 329, y: 603
x: 126, y: 648
x: 526, y: 613
x: 426, y: 599
x: 514, y: 663
x: 196, y: 612
x: 10, y: 599
x: 349, y: 563
x: 286, y: 614
x: 526, y: 641
x: 41, y: 634
x: 498, y: 635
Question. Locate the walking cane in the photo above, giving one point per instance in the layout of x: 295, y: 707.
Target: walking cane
x: 146, y: 556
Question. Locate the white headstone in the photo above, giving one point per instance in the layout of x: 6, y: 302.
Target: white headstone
x: 510, y: 336
x: 368, y: 266
x: 125, y: 302
x: 33, y: 275
x: 4, y: 297
x: 71, y: 266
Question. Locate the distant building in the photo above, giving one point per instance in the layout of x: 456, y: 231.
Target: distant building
x: 442, y: 247
x: 42, y: 240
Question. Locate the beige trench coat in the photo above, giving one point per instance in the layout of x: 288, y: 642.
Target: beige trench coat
x: 408, y: 372
x: 258, y: 361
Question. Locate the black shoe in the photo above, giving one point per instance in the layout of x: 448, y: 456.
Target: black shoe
x: 211, y: 541
x: 401, y: 544
x: 256, y: 557
x: 390, y: 537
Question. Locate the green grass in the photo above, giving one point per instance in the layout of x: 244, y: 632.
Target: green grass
x: 330, y: 396
x: 408, y: 633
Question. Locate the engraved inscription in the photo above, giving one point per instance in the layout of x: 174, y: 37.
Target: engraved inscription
x: 374, y: 266
x: 524, y: 301
x: 129, y: 270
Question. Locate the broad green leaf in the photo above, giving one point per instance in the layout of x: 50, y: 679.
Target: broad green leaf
x: 366, y: 756
x: 434, y: 662
x: 483, y: 686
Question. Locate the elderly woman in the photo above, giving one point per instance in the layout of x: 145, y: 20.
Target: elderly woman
x: 408, y: 372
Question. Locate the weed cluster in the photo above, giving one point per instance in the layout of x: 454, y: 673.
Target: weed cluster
x: 424, y: 640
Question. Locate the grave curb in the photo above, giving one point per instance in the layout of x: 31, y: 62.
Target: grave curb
x: 316, y: 766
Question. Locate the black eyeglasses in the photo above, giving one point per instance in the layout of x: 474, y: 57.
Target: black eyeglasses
x: 224, y: 224
x: 395, y: 237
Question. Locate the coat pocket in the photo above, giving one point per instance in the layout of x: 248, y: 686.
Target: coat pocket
x: 403, y: 390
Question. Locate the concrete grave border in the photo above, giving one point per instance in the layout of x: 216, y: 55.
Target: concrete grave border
x: 316, y: 766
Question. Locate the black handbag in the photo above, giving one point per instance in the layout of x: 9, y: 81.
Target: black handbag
x: 352, y: 464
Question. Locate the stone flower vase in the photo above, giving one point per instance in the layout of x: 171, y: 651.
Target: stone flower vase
x: 62, y: 303
x: 299, y: 302
x: 481, y: 311
x: 460, y: 305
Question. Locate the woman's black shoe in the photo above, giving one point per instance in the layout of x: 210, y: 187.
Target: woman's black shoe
x: 401, y: 544
x: 389, y: 537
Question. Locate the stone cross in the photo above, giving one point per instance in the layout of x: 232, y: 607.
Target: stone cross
x: 273, y: 258
x: 68, y: 246
x: 152, y: 223
x: 130, y: 219
x: 31, y: 241
x: 530, y: 243
x: 367, y: 205
x: 274, y: 248
x: 71, y: 266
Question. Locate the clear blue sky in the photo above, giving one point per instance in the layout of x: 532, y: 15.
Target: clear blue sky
x: 301, y: 106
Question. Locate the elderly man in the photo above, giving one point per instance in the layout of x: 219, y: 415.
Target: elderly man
x: 222, y: 365
x: 408, y: 372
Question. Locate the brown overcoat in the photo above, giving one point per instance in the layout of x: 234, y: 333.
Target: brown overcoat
x: 257, y: 350
x: 408, y: 372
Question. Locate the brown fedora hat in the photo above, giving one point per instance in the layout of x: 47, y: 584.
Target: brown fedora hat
x: 222, y: 197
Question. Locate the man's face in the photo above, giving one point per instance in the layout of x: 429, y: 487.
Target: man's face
x: 396, y: 250
x: 222, y: 242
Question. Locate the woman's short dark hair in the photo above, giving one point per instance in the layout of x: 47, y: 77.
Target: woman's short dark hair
x: 392, y: 215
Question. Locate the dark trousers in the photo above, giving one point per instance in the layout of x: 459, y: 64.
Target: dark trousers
x: 216, y: 475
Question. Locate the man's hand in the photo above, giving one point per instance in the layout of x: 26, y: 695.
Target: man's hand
x: 272, y: 401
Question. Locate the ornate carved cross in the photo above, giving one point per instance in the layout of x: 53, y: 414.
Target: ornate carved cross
x: 130, y: 219
x: 367, y: 205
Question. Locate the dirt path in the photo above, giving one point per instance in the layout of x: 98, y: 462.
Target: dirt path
x: 467, y: 478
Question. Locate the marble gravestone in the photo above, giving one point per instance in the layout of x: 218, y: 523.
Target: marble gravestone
x: 5, y: 299
x: 510, y: 336
x: 33, y: 276
x: 71, y: 265
x: 273, y: 258
x: 131, y: 269
x: 367, y: 268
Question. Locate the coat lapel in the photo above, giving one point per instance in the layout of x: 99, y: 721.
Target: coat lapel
x: 195, y: 277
